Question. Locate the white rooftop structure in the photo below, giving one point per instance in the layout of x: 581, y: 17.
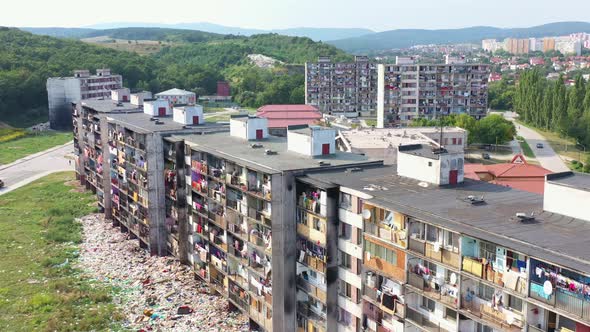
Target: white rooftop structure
x: 175, y: 92
x: 382, y: 143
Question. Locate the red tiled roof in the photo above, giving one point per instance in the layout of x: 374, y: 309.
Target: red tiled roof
x: 522, y: 176
x: 280, y: 116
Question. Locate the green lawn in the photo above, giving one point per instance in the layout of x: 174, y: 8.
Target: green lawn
x: 32, y: 143
x: 224, y: 117
x: 371, y: 122
x: 40, y: 290
x: 213, y: 109
x: 526, y: 149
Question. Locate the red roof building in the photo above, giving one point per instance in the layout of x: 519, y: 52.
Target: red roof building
x: 281, y: 116
x: 517, y: 174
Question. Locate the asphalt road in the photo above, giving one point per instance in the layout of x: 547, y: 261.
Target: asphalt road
x: 31, y: 168
x: 546, y: 156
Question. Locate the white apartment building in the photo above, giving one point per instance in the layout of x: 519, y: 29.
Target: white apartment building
x: 63, y: 91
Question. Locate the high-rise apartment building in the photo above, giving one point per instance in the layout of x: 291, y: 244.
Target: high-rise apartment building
x: 63, y: 91
x: 342, y: 88
x: 398, y: 93
x: 301, y: 237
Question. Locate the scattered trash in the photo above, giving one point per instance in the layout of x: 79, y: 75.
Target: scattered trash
x: 153, y: 293
x: 64, y: 264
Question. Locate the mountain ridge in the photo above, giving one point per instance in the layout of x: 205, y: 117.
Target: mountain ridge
x: 402, y: 38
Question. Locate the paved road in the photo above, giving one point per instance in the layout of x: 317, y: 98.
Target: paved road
x: 33, y: 167
x: 546, y: 155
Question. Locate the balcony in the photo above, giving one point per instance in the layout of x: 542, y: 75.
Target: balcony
x: 261, y: 318
x: 420, y: 320
x: 311, y: 289
x: 443, y: 295
x: 305, y: 310
x: 387, y: 234
x: 562, y: 299
x: 239, y: 298
x: 381, y: 265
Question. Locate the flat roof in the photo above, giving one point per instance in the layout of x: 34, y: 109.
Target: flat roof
x: 422, y: 150
x: 552, y: 237
x: 142, y: 123
x: 385, y: 137
x: 110, y: 106
x: 240, y: 151
x: 571, y: 179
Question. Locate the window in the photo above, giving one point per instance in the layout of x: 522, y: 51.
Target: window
x: 345, y: 259
x: 428, y: 304
x: 417, y: 230
x: 483, y: 328
x: 487, y: 250
x: 450, y: 314
x: 345, y: 231
x: 345, y: 201
x: 451, y: 240
x: 485, y: 292
x: 514, y: 303
x: 317, y: 224
x: 344, y: 317
x: 431, y: 233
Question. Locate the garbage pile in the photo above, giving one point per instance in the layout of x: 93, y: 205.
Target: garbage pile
x: 154, y: 293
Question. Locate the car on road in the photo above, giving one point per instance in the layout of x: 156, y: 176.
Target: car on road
x: 485, y: 155
x: 539, y: 145
x: 1, y: 183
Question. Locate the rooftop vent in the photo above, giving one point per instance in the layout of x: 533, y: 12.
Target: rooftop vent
x: 476, y: 200
x: 256, y: 146
x: 153, y: 119
x: 353, y: 170
x: 373, y: 187
x: 524, y: 218
x: 119, y: 104
x: 323, y: 163
x: 270, y: 152
x: 158, y: 122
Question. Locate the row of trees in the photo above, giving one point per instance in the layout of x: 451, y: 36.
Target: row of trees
x: 492, y: 129
x: 553, y: 106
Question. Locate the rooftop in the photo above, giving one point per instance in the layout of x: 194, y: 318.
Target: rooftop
x: 422, y: 150
x: 305, y: 129
x: 282, y: 116
x: 110, y: 106
x: 571, y: 179
x: 382, y: 138
x: 143, y: 123
x: 551, y: 237
x: 175, y: 92
x: 241, y: 151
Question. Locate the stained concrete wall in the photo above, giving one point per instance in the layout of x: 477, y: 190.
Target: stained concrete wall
x: 181, y: 205
x: 284, y: 253
x: 156, y: 194
x: 106, y: 167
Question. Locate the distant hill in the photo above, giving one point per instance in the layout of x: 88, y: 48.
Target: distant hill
x: 157, y: 34
x: 60, y: 32
x: 403, y: 38
x: 312, y: 33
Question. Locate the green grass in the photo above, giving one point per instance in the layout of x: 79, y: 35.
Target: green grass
x: 32, y: 143
x: 213, y: 109
x: 216, y: 118
x: 38, y: 292
x: 526, y: 149
x: 371, y: 122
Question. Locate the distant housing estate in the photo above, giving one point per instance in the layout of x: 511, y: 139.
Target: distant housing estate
x: 397, y: 93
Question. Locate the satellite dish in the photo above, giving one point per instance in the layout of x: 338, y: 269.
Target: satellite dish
x: 453, y: 278
x: 547, y: 288
x: 366, y: 214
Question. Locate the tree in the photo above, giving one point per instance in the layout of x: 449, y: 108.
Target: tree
x: 559, y: 116
x: 494, y: 128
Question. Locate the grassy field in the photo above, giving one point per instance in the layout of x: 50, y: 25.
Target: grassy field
x: 40, y: 289
x: 141, y: 47
x: 32, y: 143
x: 216, y: 118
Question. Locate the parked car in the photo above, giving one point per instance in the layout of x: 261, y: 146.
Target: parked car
x: 485, y: 155
x: 1, y: 183
x: 539, y: 145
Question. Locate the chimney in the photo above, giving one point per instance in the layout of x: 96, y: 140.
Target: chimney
x: 103, y: 72
x: 311, y: 140
x: 248, y: 127
x: 188, y: 115
x: 430, y: 164
x: 81, y: 73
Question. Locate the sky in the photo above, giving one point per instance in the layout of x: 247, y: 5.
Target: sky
x: 378, y: 15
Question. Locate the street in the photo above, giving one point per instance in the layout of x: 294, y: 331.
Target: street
x: 546, y: 155
x: 33, y: 167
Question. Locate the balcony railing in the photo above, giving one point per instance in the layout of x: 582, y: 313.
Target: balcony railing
x: 418, y: 282
x: 419, y: 319
x: 239, y: 301
x: 572, y: 303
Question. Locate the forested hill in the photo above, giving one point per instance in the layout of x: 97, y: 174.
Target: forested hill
x: 157, y: 34
x: 27, y: 60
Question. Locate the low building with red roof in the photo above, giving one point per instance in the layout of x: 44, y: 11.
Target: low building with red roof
x: 517, y: 174
x: 281, y: 116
